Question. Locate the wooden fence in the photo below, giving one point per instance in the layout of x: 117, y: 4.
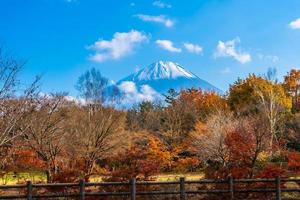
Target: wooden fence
x: 230, y: 189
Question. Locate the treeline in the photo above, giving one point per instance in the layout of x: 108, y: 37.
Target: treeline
x: 252, y: 131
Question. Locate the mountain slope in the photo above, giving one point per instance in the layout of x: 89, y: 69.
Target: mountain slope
x: 164, y: 75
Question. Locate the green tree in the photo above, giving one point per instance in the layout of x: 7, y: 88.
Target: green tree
x: 171, y: 96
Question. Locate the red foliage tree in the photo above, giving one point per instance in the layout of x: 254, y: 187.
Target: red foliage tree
x: 271, y: 171
x: 244, y: 144
x: 294, y: 161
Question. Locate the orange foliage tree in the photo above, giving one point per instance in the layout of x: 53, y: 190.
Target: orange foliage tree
x: 26, y: 159
x: 205, y: 102
x: 140, y: 161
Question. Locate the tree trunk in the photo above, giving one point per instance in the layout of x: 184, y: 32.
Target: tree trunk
x: 49, y: 175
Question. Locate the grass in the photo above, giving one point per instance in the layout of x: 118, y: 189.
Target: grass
x: 176, y: 176
x: 164, y: 177
x: 12, y: 178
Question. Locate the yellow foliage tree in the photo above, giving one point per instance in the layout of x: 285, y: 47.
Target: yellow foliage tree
x: 292, y: 87
x: 257, y: 94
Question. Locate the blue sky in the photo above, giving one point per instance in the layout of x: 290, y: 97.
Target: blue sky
x: 219, y: 40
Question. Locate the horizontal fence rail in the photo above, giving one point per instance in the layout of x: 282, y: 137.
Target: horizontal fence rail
x: 230, y: 187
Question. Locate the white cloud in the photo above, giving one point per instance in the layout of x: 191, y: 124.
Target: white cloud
x: 162, y: 19
x: 161, y: 4
x: 128, y: 87
x: 148, y: 93
x: 79, y: 101
x: 167, y: 45
x: 228, y: 49
x: 271, y: 58
x: 122, y: 44
x: 295, y: 24
x: 133, y: 95
x: 99, y: 57
x: 225, y: 70
x: 68, y: 98
x: 193, y: 48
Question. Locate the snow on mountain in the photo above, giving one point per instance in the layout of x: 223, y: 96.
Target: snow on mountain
x: 164, y: 75
x: 161, y: 70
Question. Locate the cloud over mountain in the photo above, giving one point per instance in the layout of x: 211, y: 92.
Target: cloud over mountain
x: 133, y: 94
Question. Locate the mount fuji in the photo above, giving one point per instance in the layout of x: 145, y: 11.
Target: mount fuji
x: 164, y: 75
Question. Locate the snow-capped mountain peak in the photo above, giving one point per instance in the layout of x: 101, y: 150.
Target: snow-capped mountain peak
x: 162, y: 70
x: 164, y: 75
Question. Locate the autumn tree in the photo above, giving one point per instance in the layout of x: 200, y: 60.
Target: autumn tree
x: 209, y: 138
x: 143, y: 159
x: 15, y: 102
x: 230, y: 145
x: 242, y: 98
x: 93, y: 128
x: 292, y: 129
x: 132, y: 122
x: 93, y: 137
x: 294, y: 161
x: 177, y: 120
x: 259, y: 95
x: 13, y: 106
x: 45, y: 133
x: 171, y: 123
x: 245, y: 143
x: 292, y: 87
x: 273, y: 104
x: 205, y: 102
x: 149, y: 118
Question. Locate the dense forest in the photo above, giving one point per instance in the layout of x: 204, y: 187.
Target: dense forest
x: 251, y: 131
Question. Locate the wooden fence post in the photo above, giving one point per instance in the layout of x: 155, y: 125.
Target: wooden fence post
x: 230, y: 182
x: 182, y: 188
x: 133, y: 189
x: 29, y: 190
x: 278, y: 188
x: 82, y: 189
